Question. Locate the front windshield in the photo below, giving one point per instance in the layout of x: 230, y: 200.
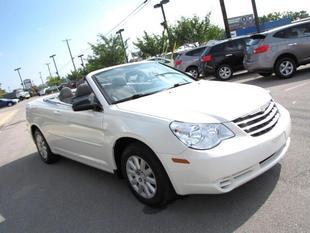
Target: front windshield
x: 137, y: 80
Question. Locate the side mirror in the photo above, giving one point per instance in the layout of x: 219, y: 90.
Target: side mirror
x: 87, y: 102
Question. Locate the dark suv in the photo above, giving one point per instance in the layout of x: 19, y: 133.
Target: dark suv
x: 224, y: 57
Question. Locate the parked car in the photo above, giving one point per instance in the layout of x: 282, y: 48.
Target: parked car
x: 280, y: 50
x: 165, y: 133
x: 224, y: 57
x: 189, y: 61
x: 51, y: 90
x: 21, y: 95
x: 8, y: 102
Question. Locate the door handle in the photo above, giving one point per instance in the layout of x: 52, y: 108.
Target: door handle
x: 228, y: 55
x: 57, y: 112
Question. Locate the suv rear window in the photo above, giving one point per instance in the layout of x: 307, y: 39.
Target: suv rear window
x: 195, y: 52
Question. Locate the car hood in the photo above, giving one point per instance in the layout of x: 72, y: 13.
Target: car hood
x: 201, y: 102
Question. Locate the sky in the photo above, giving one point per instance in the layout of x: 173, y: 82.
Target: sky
x: 32, y: 30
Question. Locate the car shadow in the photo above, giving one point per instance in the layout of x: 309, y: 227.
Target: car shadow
x: 70, y: 197
x: 271, y: 81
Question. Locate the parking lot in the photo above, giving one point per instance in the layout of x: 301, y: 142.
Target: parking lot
x: 70, y: 197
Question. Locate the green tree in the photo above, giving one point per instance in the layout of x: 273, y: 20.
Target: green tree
x: 54, y: 81
x: 107, y: 52
x: 76, y: 75
x: 2, y: 92
x: 195, y: 29
x: 150, y: 45
x: 288, y: 14
x: 186, y: 30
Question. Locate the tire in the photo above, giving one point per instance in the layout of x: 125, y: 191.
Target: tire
x: 43, y: 148
x: 10, y: 104
x: 265, y: 74
x: 285, y: 67
x: 224, y: 72
x: 149, y: 182
x: 193, y: 71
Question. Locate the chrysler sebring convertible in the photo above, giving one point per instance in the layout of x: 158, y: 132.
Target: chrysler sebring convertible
x: 163, y: 132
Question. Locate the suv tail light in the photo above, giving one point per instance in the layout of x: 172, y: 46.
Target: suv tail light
x: 178, y: 62
x: 261, y: 49
x: 206, y: 58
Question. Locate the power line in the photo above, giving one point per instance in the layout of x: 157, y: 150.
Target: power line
x: 134, y: 12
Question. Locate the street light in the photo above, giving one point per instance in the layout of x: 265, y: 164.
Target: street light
x: 52, y: 56
x: 20, y: 77
x: 164, y: 24
x: 120, y: 34
x: 49, y: 70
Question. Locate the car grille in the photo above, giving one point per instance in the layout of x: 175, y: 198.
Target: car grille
x: 261, y: 122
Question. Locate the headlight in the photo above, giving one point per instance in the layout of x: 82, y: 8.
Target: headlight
x: 201, y: 136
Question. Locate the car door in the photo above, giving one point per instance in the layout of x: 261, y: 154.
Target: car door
x: 2, y: 103
x: 82, y: 136
x: 232, y: 54
x: 303, y: 44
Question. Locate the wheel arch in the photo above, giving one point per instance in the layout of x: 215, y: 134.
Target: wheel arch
x: 33, y: 128
x: 191, y: 66
x: 290, y: 55
x: 119, y: 147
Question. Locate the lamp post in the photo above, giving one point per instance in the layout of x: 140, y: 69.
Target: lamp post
x: 20, y: 77
x: 255, y: 16
x: 164, y: 24
x: 49, y: 70
x: 227, y: 31
x: 53, y: 57
x: 120, y: 34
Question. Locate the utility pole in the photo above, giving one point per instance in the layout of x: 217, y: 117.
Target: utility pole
x: 164, y: 24
x: 255, y: 16
x: 82, y: 62
x: 49, y: 70
x: 227, y: 31
x: 120, y: 34
x: 20, y: 77
x: 52, y: 56
x: 41, y: 78
x: 67, y: 41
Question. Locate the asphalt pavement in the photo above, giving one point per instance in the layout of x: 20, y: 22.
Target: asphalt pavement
x: 71, y: 197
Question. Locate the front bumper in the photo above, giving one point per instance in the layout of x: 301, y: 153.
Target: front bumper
x: 234, y: 162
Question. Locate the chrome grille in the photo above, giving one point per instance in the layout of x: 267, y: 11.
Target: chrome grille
x: 261, y: 122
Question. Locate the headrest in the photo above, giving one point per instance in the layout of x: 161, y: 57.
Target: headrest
x: 65, y: 93
x: 118, y: 82
x: 83, y: 90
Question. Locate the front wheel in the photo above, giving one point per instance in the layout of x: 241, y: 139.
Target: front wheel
x: 224, y: 72
x: 194, y: 72
x: 146, y: 176
x: 285, y: 67
x: 43, y: 148
x: 10, y: 104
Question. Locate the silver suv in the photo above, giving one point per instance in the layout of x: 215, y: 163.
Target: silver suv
x: 189, y: 61
x: 280, y: 50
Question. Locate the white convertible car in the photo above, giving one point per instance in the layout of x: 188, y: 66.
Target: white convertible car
x: 165, y: 133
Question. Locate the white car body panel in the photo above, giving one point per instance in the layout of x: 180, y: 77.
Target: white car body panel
x: 89, y: 136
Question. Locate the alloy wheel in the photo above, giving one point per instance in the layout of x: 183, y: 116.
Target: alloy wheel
x: 286, y: 68
x: 42, y: 147
x: 141, y: 177
x: 225, y: 72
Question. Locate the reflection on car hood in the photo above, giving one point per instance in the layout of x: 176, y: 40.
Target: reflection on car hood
x: 201, y: 102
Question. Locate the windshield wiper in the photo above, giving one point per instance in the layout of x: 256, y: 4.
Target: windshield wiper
x: 167, y: 73
x: 135, y: 96
x: 178, y: 84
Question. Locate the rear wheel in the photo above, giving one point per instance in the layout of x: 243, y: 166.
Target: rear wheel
x: 266, y: 74
x: 10, y: 104
x: 224, y: 72
x: 146, y: 176
x: 43, y: 148
x: 285, y: 67
x: 193, y: 71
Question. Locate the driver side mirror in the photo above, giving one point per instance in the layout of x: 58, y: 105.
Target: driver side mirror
x: 87, y: 102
